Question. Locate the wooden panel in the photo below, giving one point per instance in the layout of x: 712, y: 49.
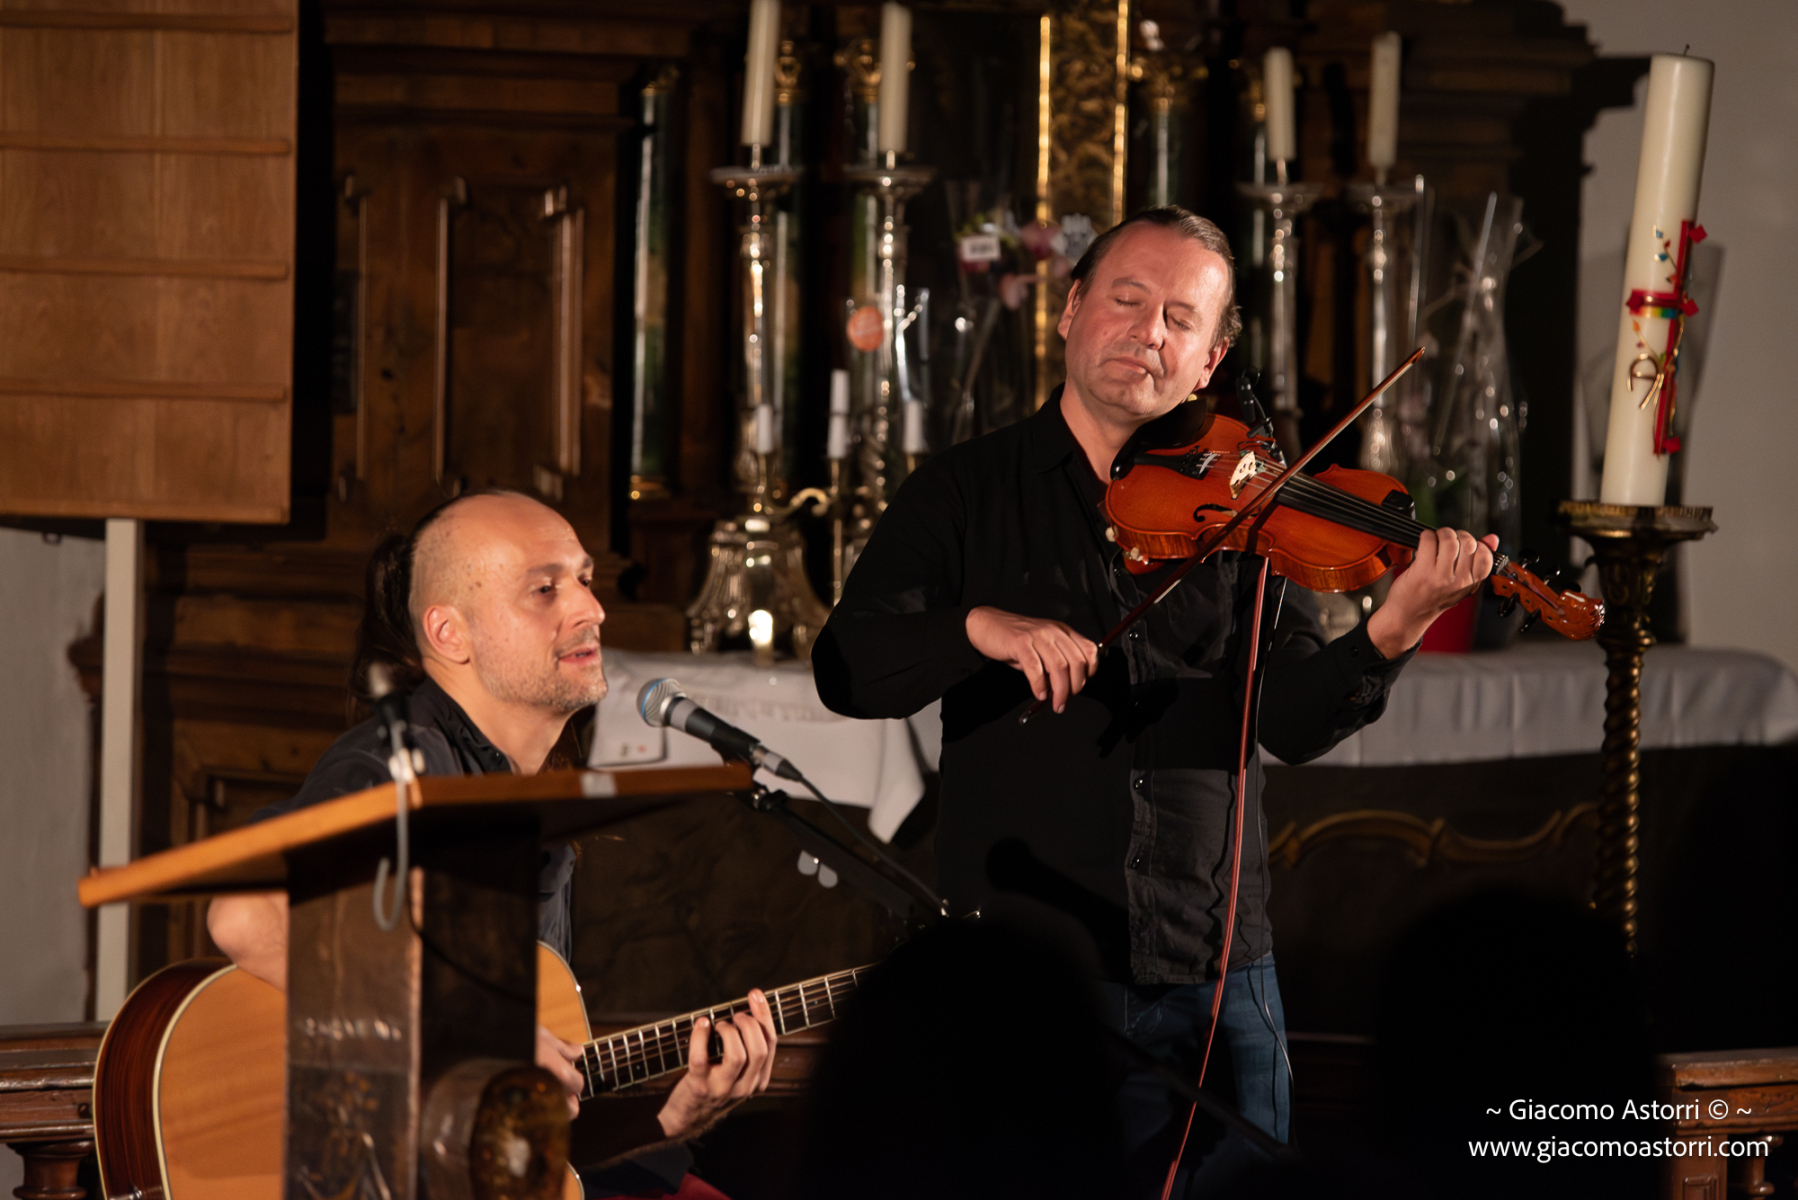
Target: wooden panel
x: 146, y: 260
x: 178, y: 460
x: 501, y: 324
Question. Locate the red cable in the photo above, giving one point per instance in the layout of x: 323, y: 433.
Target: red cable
x: 1223, y: 958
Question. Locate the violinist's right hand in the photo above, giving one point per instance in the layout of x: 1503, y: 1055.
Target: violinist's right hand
x: 1056, y: 660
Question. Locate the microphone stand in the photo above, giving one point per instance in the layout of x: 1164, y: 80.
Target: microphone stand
x: 903, y: 899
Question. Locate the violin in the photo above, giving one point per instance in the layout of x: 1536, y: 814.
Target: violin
x: 1185, y: 476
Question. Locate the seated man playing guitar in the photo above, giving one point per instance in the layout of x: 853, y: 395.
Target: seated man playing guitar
x: 486, y: 610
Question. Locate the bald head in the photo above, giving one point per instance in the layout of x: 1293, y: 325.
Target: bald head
x: 469, y: 538
x: 501, y: 594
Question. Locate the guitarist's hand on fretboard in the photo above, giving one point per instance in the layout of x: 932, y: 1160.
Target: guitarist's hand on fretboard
x: 558, y: 1058
x: 722, y: 1070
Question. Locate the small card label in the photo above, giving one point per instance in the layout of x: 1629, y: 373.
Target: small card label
x: 980, y: 248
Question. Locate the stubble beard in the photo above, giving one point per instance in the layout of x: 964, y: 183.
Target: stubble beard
x: 549, y: 689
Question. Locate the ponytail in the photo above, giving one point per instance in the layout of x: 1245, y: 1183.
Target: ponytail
x: 386, y: 633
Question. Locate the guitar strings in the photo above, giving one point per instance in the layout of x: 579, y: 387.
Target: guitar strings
x: 615, y: 1059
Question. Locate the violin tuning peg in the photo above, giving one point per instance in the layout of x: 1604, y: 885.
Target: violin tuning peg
x: 1508, y: 607
x: 1528, y: 620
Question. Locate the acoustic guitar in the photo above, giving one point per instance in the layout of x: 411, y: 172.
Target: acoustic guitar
x: 190, y: 1084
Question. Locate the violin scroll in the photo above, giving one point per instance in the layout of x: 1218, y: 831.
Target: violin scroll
x: 1570, y: 614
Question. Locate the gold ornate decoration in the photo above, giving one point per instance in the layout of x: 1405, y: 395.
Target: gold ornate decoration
x: 664, y: 82
x: 1428, y: 840
x: 1163, y: 77
x: 1629, y: 541
x: 860, y: 60
x: 1083, y: 100
x: 1085, y: 75
x: 787, y: 75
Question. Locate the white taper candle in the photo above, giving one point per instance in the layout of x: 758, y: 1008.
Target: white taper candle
x: 836, y: 443
x: 1276, y: 94
x: 1382, y: 103
x: 764, y: 429
x: 895, y: 76
x: 1673, y: 137
x: 758, y: 72
x: 914, y: 442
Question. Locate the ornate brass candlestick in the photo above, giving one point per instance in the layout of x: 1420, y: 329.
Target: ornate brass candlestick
x: 1630, y: 543
x: 1282, y: 202
x: 882, y: 458
x: 1388, y: 326
x: 757, y: 560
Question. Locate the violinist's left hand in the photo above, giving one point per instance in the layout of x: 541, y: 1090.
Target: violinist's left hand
x: 1449, y: 565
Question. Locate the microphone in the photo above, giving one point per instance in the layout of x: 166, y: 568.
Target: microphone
x: 662, y: 703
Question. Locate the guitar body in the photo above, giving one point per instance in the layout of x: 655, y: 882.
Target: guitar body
x: 190, y: 1086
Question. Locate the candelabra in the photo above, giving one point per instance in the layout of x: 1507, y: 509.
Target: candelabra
x: 890, y: 426
x: 1388, y: 326
x: 1629, y: 542
x: 755, y: 579
x: 1277, y: 204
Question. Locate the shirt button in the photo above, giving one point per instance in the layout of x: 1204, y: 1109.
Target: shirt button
x: 1136, y: 635
x: 1136, y: 862
x: 1141, y: 783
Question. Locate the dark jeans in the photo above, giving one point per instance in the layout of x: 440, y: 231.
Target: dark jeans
x: 1248, y: 1061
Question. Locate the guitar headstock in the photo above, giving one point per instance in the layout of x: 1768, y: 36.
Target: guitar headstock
x: 1569, y: 613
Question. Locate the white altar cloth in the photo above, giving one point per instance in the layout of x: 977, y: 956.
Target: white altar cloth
x: 1540, y: 698
x: 874, y: 765
x: 1536, y: 698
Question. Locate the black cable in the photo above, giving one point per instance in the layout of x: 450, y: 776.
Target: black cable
x: 830, y: 806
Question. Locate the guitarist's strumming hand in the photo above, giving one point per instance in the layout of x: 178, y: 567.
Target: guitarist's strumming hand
x: 710, y: 1089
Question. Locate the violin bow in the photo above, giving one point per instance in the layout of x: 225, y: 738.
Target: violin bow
x: 1247, y: 512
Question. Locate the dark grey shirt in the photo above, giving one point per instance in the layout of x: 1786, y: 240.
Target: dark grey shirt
x: 1107, y: 827
x: 451, y: 745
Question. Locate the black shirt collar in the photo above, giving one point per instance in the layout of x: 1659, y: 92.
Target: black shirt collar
x: 432, y: 706
x: 1050, y: 440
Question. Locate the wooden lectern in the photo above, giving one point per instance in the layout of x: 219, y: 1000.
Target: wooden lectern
x: 409, y: 1051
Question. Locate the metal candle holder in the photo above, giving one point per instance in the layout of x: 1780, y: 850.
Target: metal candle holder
x: 1629, y: 542
x: 1283, y: 201
x: 757, y: 560
x: 880, y: 457
x: 1379, y: 433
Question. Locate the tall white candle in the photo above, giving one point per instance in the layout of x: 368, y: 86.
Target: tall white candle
x: 895, y: 75
x: 836, y: 443
x: 1382, y: 104
x: 764, y: 429
x: 1673, y: 137
x: 758, y: 72
x: 1276, y: 94
x: 914, y: 442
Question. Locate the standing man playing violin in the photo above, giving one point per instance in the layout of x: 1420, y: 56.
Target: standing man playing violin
x: 1106, y: 827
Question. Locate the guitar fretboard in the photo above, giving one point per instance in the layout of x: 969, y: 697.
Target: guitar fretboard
x: 640, y: 1054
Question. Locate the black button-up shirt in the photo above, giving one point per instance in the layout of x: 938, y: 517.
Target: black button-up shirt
x: 451, y: 745
x: 1106, y: 827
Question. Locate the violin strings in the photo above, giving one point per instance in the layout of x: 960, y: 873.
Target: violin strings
x: 1355, y: 512
x: 1325, y: 500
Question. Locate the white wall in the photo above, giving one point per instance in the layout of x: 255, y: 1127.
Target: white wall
x: 47, y: 595
x: 1743, y: 579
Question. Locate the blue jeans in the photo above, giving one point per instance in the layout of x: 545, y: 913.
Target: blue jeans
x: 1248, y: 1056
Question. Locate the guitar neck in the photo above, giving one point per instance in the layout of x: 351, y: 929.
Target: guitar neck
x: 648, y: 1051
